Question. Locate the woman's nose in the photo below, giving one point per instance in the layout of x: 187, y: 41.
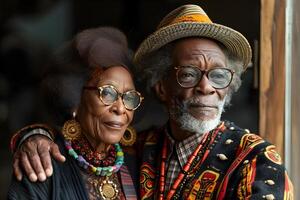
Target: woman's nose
x: 118, y: 106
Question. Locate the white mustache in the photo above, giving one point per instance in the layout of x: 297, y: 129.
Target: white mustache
x: 196, y: 102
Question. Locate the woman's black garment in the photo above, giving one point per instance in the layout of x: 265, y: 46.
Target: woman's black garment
x: 65, y: 183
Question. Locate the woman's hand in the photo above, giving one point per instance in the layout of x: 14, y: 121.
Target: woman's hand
x: 34, y: 157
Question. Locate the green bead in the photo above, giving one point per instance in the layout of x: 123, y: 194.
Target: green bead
x: 118, y: 147
x: 72, y: 152
x: 98, y: 172
x: 104, y: 171
x: 121, y: 159
x: 109, y: 174
x: 119, y: 163
x: 109, y: 169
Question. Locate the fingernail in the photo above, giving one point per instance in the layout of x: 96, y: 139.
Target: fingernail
x: 19, y: 177
x: 48, y: 171
x: 42, y: 176
x: 64, y: 159
x: 33, y: 177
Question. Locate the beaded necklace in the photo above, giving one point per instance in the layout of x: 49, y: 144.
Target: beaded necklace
x: 97, y: 170
x: 201, y: 156
x: 181, y: 178
x: 101, y: 159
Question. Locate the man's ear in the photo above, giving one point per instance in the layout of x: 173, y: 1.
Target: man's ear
x: 160, y: 90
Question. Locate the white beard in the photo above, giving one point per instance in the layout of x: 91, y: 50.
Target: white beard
x: 181, y: 115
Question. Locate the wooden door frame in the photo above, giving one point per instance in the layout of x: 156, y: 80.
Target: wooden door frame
x: 272, y: 72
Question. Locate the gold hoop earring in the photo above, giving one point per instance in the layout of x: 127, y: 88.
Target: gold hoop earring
x: 71, y: 129
x: 129, y: 137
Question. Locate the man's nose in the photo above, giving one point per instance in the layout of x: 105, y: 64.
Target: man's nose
x: 204, y: 87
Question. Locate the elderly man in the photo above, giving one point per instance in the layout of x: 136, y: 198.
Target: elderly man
x: 194, y: 66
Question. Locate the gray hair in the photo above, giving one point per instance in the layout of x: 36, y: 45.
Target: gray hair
x: 157, y: 65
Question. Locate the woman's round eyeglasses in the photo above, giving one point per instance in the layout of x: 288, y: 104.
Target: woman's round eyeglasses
x: 108, y: 94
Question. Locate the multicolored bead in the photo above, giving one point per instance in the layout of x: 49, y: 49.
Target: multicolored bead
x: 97, y: 170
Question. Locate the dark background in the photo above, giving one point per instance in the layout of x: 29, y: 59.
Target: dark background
x: 31, y: 29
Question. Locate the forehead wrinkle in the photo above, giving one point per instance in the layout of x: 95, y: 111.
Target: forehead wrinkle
x: 213, y: 58
x: 199, y: 52
x: 219, y: 61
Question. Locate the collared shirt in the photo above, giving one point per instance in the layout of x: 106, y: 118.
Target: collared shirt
x: 179, y: 153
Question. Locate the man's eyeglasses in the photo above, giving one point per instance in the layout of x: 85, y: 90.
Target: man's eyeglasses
x: 108, y: 94
x: 189, y: 76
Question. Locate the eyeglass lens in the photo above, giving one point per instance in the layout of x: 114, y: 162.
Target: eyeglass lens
x: 109, y: 95
x: 190, y: 76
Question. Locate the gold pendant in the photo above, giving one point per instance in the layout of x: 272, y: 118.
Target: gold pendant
x: 108, y: 189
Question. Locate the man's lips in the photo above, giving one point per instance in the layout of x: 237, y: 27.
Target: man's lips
x: 200, y: 105
x: 202, y: 108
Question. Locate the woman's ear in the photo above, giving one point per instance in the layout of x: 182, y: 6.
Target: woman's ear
x: 160, y: 90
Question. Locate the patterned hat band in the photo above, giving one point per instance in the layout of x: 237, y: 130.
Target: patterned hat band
x: 191, y: 18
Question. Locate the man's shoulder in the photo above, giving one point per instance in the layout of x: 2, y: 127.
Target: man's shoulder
x: 243, y: 133
x: 256, y: 158
x: 242, y: 137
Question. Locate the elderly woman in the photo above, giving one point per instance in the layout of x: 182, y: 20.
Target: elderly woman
x: 94, y: 98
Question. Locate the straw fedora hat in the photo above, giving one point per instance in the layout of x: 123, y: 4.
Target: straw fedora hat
x: 191, y: 21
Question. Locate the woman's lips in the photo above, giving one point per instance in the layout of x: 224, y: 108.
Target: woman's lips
x: 114, y: 124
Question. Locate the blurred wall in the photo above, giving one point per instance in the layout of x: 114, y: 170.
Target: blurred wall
x: 27, y: 38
